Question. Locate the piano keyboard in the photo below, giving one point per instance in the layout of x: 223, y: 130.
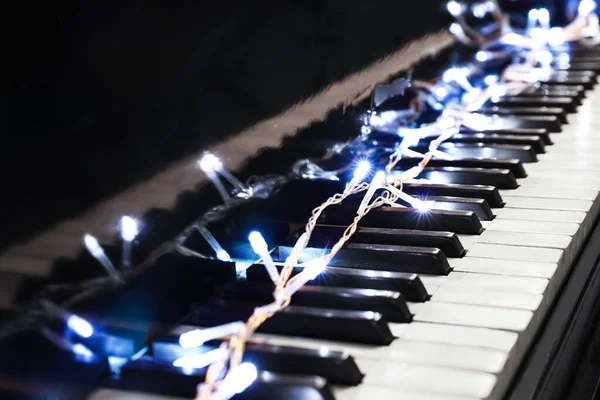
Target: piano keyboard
x: 463, y: 340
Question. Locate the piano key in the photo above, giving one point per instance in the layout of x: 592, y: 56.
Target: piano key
x: 391, y: 305
x: 335, y: 366
x: 566, y: 103
x: 426, y: 189
x: 448, y: 242
x: 478, y: 316
x: 525, y: 153
x: 540, y: 215
x: 489, y: 281
x: 501, y: 267
x: 409, y: 285
x: 341, y: 325
x: 380, y: 257
x: 494, y: 138
x: 500, y: 178
x: 408, y: 218
x: 547, y: 203
x: 387, y: 393
x: 515, y: 166
x: 524, y: 111
x: 525, y: 239
x: 512, y: 127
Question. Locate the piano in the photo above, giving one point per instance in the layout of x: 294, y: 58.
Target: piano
x: 487, y: 292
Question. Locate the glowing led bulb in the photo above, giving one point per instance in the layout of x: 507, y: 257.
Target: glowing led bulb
x: 82, y: 351
x: 454, y: 8
x: 556, y: 37
x: 210, y: 163
x: 311, y: 270
x: 80, y: 326
x: 421, y: 206
x: 129, y: 228
x: 362, y: 169
x: 198, y: 337
x: 490, y: 79
x: 261, y: 248
x: 91, y: 243
x: 213, y: 243
x: 482, y: 56
x: 586, y: 7
x: 236, y: 381
x: 457, y: 75
x: 543, y: 16
x: 440, y: 92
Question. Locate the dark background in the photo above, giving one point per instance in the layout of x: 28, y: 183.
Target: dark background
x: 98, y: 95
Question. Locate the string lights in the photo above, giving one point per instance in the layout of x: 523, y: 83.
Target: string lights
x: 227, y: 374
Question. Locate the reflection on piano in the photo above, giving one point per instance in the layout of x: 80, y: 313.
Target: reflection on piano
x: 472, y: 278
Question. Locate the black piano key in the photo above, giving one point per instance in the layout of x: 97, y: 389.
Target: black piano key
x: 566, y: 103
x: 532, y: 140
x: 579, y: 65
x: 408, y: 218
x: 525, y: 153
x: 525, y: 111
x: 410, y: 285
x: 551, y: 123
x: 448, y: 242
x: 340, y: 325
x: 386, y: 257
x: 391, y: 305
x: 425, y: 189
x: 575, y: 92
x: 514, y: 127
x: 501, y: 178
x: 585, y: 81
x: 515, y: 166
x: 335, y: 366
x: 145, y: 375
x: 480, y: 207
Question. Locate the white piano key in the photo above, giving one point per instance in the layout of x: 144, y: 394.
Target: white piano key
x: 553, y: 192
x: 488, y: 281
x: 525, y: 239
x: 472, y: 315
x: 113, y: 394
x: 534, y: 179
x: 501, y: 267
x: 539, y: 215
x: 368, y: 391
x: 456, y: 335
x: 515, y: 253
x: 539, y: 203
x: 428, y: 378
x: 486, y: 297
x: 527, y: 226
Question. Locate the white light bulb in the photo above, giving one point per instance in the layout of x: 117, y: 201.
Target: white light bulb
x: 422, y: 206
x: 482, y: 56
x: 543, y: 17
x: 129, y: 228
x: 440, y: 92
x: 209, y: 163
x: 513, y: 39
x: 91, y: 243
x: 201, y: 360
x: 223, y: 255
x: 490, y: 79
x: 362, y: 169
x: 556, y: 37
x: 80, y: 326
x: 236, y: 381
x: 82, y: 351
x: 457, y: 75
x: 532, y: 16
x: 586, y: 7
x: 258, y: 243
x: 260, y: 247
x: 454, y: 8
x: 311, y: 270
x: 198, y: 337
